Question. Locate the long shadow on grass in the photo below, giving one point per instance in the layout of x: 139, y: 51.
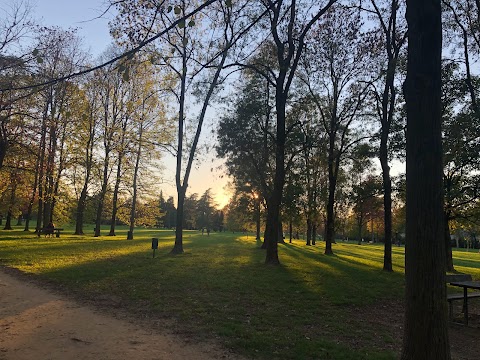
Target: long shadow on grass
x: 345, y: 281
x: 222, y: 287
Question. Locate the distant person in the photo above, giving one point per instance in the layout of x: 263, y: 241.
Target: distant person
x: 49, y: 229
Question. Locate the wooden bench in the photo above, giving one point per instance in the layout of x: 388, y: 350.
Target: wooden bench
x: 47, y: 231
x: 459, y: 296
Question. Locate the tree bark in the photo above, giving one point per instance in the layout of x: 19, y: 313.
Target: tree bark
x: 309, y: 231
x: 88, y: 170
x: 290, y: 229
x: 314, y: 233
x: 330, y: 223
x: 448, y: 243
x: 32, y: 198
x: 178, y: 246
x: 135, y: 190
x: 426, y: 322
x: 258, y: 219
x: 387, y: 206
x: 103, y: 191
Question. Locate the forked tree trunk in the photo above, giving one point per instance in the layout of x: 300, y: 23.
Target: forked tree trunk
x: 426, y: 322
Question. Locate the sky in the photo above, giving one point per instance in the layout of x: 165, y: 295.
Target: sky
x: 85, y: 16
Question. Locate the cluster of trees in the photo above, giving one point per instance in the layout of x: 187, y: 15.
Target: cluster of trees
x: 201, y: 213
x: 345, y: 114
x: 318, y: 95
x: 83, y: 149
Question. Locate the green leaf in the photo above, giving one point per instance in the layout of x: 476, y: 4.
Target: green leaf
x: 177, y: 10
x: 228, y: 3
x: 169, y: 8
x: 35, y: 52
x: 181, y: 24
x: 39, y: 59
x: 191, y: 23
x: 185, y: 41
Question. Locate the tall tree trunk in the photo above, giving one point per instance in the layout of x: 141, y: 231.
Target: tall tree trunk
x: 271, y: 232
x: 178, y: 246
x: 8, y: 222
x: 3, y: 148
x: 135, y: 178
x: 113, y: 220
x: 32, y: 197
x: 116, y: 189
x: 41, y: 172
x: 103, y: 192
x: 182, y: 186
x: 257, y: 215
x: 273, y: 215
x: 309, y: 228
x: 330, y: 223
x: 360, y: 226
x: 82, y: 201
x: 426, y: 322
x: 290, y: 230
x: 81, y: 211
x: 448, y: 242
x: 49, y: 183
x: 314, y: 233
x: 387, y: 205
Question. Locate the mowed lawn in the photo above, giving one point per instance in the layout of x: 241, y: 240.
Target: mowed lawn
x: 311, y: 307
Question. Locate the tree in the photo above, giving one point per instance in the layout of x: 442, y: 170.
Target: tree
x: 288, y: 31
x: 60, y: 54
x: 185, y: 64
x: 461, y: 164
x: 16, y: 25
x: 150, y: 125
x: 426, y: 323
x: 112, y: 92
x: 336, y: 73
x: 393, y: 36
x: 86, y: 140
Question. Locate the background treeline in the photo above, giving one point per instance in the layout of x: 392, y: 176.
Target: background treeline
x: 313, y: 139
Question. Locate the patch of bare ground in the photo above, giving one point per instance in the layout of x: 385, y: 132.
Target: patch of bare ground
x: 40, y: 323
x: 388, y: 319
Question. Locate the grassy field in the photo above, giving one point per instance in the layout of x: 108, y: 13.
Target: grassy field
x: 311, y: 307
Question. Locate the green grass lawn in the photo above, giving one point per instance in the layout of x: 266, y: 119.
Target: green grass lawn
x: 311, y: 307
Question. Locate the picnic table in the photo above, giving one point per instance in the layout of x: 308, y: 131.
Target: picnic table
x: 468, y: 284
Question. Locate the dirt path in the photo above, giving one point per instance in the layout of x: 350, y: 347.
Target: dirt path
x: 39, y: 324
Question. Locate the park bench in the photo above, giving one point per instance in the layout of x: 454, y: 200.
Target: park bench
x: 459, y: 296
x: 55, y: 231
